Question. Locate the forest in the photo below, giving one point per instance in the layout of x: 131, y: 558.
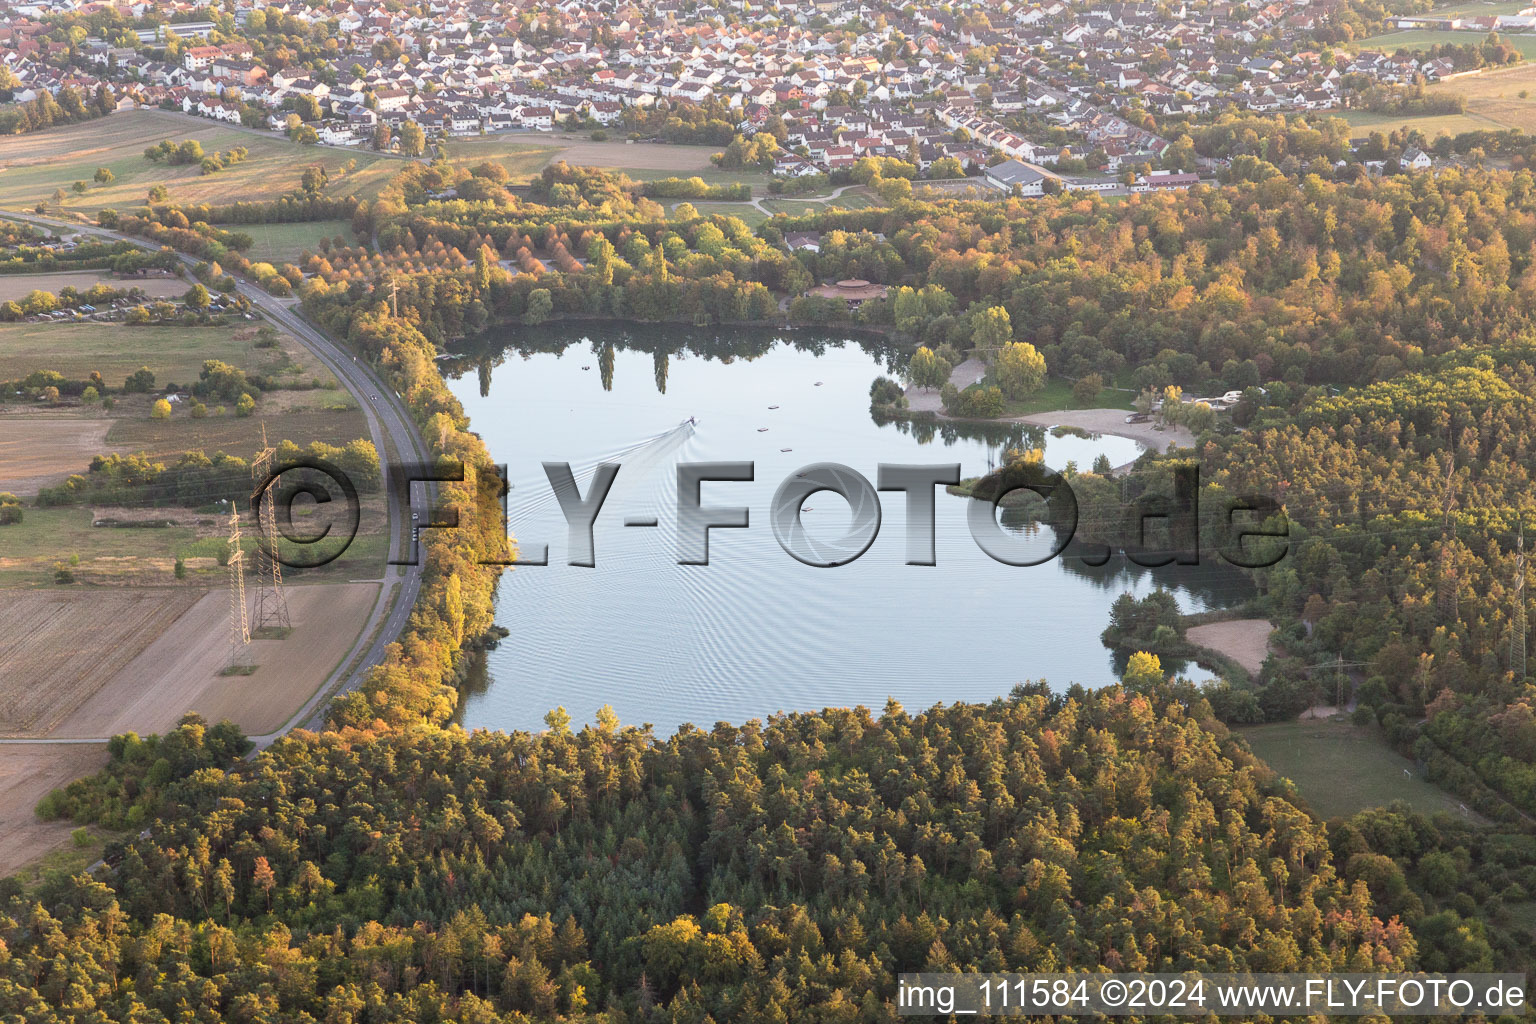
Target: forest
x: 779, y: 870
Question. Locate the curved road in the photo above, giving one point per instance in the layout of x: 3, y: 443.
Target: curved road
x: 397, y: 440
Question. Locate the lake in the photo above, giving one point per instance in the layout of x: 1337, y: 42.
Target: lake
x: 756, y: 631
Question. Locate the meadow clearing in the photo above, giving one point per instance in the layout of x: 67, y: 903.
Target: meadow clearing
x: 1340, y: 768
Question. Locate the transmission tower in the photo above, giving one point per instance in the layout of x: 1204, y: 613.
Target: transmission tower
x: 1517, y: 628
x: 240, y: 626
x: 271, y: 607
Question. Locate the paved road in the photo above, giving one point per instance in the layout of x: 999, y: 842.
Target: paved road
x: 397, y: 440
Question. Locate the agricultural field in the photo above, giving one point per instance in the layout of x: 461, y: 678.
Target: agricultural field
x: 1362, y: 123
x: 41, y: 450
x: 157, y: 653
x: 1340, y: 768
x: 118, y: 546
x: 285, y: 243
x: 27, y: 774
x: 165, y: 439
x: 17, y: 286
x: 48, y: 669
x: 33, y: 166
x: 1479, y: 9
x: 179, y: 670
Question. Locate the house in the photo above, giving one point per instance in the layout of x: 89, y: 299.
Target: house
x: 1415, y: 160
x: 809, y: 241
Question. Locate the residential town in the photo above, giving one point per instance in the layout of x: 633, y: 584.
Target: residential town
x: 1063, y: 88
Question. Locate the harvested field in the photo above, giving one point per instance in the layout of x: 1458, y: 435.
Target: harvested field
x: 1245, y: 641
x: 27, y: 774
x: 17, y: 286
x: 178, y: 672
x: 156, y: 653
x: 40, y: 450
x: 60, y: 648
x: 34, y: 165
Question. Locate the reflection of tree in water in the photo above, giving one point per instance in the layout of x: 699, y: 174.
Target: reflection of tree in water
x: 998, y: 437
x: 487, y: 350
x: 605, y: 361
x: 1213, y: 583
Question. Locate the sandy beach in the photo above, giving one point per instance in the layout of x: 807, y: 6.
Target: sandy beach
x: 1111, y: 421
x: 1245, y: 641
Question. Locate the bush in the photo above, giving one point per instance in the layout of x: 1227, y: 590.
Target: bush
x: 161, y: 410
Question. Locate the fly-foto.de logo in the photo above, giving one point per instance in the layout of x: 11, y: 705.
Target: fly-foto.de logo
x: 1152, y: 530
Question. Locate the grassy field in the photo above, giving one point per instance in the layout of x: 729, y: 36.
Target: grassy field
x: 749, y: 215
x: 1479, y: 9
x: 75, y: 350
x: 284, y: 243
x: 1423, y: 39
x: 33, y: 166
x: 524, y: 156
x: 1494, y: 100
x: 1057, y: 395
x: 1341, y: 769
x: 164, y: 439
x: 1362, y: 123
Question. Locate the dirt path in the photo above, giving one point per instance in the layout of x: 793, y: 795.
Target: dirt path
x: 1245, y: 641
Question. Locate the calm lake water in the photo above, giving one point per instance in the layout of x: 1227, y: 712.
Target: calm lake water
x: 755, y: 631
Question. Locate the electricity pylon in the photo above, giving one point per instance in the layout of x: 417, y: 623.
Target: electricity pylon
x: 271, y: 607
x: 239, y: 623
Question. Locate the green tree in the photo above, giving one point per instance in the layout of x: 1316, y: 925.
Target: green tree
x: 413, y: 141
x: 991, y: 329
x: 540, y: 306
x: 927, y: 370
x: 1019, y: 370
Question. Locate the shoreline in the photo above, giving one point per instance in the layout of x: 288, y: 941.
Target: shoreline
x: 1109, y: 421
